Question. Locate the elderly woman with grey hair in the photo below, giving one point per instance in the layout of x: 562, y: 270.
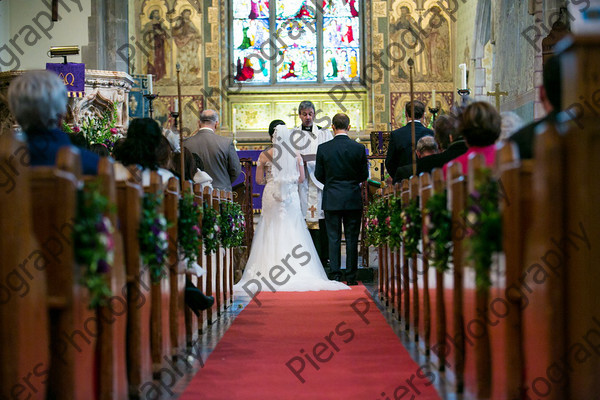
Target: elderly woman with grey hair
x: 38, y: 101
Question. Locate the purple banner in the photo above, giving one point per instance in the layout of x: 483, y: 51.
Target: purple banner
x: 72, y: 74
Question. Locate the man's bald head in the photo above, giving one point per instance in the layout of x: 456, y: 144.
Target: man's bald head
x: 209, y: 119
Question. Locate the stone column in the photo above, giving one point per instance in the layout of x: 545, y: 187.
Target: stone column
x: 108, y: 31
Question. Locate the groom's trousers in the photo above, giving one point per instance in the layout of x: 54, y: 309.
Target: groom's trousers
x: 334, y: 220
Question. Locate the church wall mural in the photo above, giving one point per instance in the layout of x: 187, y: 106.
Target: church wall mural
x: 422, y: 31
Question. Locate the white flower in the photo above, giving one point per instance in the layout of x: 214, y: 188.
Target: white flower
x: 162, y: 236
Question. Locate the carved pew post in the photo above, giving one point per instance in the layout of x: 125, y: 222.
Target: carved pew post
x: 456, y: 202
x: 414, y: 196
x: 159, y: 321
x: 112, y: 365
x: 405, y: 195
x: 24, y: 327
x: 440, y: 347
x: 426, y: 190
x: 73, y: 330
x: 228, y: 274
x: 139, y: 362
x: 176, y: 271
x: 483, y: 359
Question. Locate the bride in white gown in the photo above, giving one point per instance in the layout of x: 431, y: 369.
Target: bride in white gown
x: 283, y: 256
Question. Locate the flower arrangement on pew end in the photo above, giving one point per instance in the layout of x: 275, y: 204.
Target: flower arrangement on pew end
x: 438, y: 227
x: 484, y: 217
x: 396, y: 222
x: 377, y: 223
x: 152, y: 236
x: 411, y: 228
x: 210, y: 230
x: 189, y: 233
x: 232, y: 225
x: 101, y: 130
x: 93, y: 242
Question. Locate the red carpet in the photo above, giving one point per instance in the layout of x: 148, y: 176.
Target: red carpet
x: 362, y: 359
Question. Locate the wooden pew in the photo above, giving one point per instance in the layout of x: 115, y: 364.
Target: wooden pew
x: 426, y: 191
x: 456, y: 187
x: 191, y: 321
x: 385, y: 254
x: 201, y: 281
x: 218, y: 282
x: 176, y: 272
x: 515, y: 177
x: 414, y: 269
x: 160, y: 331
x: 24, y: 326
x: 230, y: 267
x: 139, y: 362
x: 382, y: 266
x: 441, y: 348
x: 73, y: 328
x: 112, y: 325
x: 477, y: 325
x: 396, y: 273
x: 405, y: 275
x: 210, y: 264
x: 579, y: 58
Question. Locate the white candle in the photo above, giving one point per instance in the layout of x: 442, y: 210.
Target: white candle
x: 149, y: 84
x: 176, y: 104
x: 433, y: 98
x: 357, y: 121
x: 463, y: 68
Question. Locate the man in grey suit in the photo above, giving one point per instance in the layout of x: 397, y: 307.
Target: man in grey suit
x: 218, y: 153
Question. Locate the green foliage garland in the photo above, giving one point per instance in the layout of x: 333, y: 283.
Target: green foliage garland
x: 439, y: 230
x: 232, y: 224
x: 484, y: 217
x: 377, y: 223
x: 93, y: 241
x: 188, y: 231
x: 210, y: 230
x: 411, y: 228
x: 152, y: 236
x: 396, y: 222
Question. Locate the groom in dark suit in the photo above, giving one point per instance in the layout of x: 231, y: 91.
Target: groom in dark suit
x: 341, y: 166
x: 400, y: 149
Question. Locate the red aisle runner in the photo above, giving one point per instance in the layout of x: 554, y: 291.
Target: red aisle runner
x: 336, y: 342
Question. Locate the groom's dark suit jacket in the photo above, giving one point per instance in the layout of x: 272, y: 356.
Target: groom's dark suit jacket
x: 341, y: 167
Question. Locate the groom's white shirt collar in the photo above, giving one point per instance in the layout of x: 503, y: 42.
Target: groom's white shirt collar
x: 339, y: 134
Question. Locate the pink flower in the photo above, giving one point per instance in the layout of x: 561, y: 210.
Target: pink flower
x: 114, y: 131
x: 76, y: 129
x: 387, y: 221
x: 195, y: 228
x: 375, y: 221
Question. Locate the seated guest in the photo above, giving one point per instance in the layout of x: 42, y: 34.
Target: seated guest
x: 511, y: 123
x: 444, y: 125
x: 78, y: 140
x: 550, y: 96
x: 479, y: 124
x: 38, y: 101
x: 192, y: 171
x: 100, y: 149
x: 426, y: 146
x: 400, y: 147
x: 142, y: 146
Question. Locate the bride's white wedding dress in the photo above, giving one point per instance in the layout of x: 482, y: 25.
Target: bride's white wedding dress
x: 283, y: 256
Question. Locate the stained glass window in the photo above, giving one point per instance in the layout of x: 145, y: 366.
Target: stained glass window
x: 296, y: 41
